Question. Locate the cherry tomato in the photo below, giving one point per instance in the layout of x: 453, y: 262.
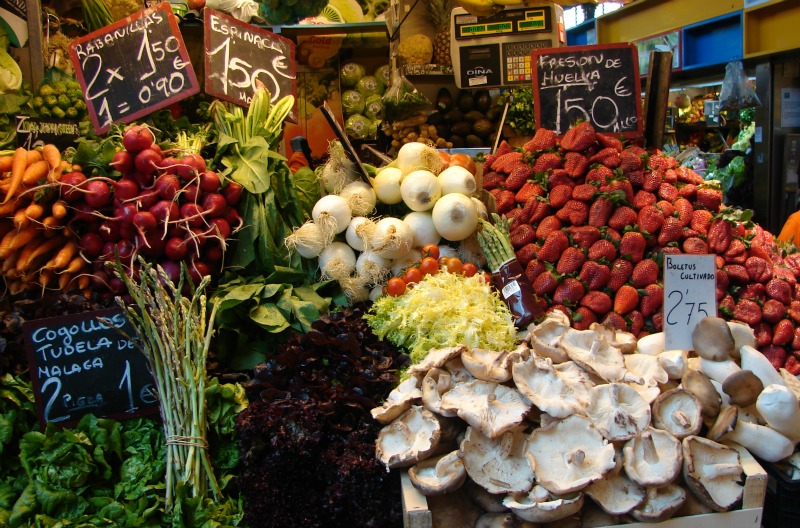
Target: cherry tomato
x: 429, y: 266
x: 430, y: 250
x: 412, y: 276
x: 396, y: 287
x: 454, y: 265
x: 469, y: 269
x: 487, y: 277
x: 463, y: 160
x: 443, y: 261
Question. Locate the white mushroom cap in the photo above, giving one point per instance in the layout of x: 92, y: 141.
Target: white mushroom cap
x: 653, y: 458
x: 791, y: 381
x: 435, y: 476
x: 712, y: 339
x: 435, y: 383
x: 617, y: 411
x: 399, y: 401
x: 436, y: 357
x: 458, y: 371
x: 490, y: 365
x: 488, y: 502
x: 593, y: 353
x: 625, y: 341
x: 546, y: 336
x: 646, y: 367
x: 674, y: 363
x: 540, y: 506
x: 754, y: 360
x: 661, y: 504
x: 651, y: 344
x: 570, y: 454
x: 412, y: 437
x: 778, y: 406
x: 762, y: 441
x: 616, y: 494
x: 648, y: 394
x: 742, y: 335
x: 498, y: 465
x: 712, y: 471
x: 551, y: 392
x: 492, y: 408
x: 679, y: 412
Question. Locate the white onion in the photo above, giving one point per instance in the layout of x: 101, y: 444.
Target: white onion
x: 332, y: 214
x: 457, y: 179
x: 376, y: 292
x: 481, y: 207
x: 354, y: 288
x: 359, y: 232
x: 418, y: 156
x: 337, y: 261
x: 420, y: 190
x: 400, y: 265
x: 387, y: 185
x: 392, y: 239
x: 421, y: 223
x: 372, y: 267
x: 308, y: 240
x: 335, y: 176
x: 360, y: 197
x: 455, y: 217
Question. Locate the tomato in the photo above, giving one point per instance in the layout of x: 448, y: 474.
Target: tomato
x: 412, y: 276
x: 196, y: 5
x: 430, y: 250
x: 443, y: 261
x: 463, y: 160
x: 469, y: 269
x: 396, y: 287
x: 454, y: 265
x: 487, y: 277
x: 429, y: 266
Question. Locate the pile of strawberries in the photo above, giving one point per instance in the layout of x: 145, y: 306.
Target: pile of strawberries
x: 592, y: 218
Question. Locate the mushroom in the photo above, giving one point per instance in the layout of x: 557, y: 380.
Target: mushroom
x: 649, y: 394
x: 679, y: 412
x: 451, y: 509
x: 492, y: 366
x: 754, y: 360
x: 653, y: 458
x: 616, y: 494
x: 617, y: 411
x: 501, y: 520
x: 458, y: 372
x: 552, y: 393
x: 568, y: 455
x: 646, y: 367
x: 625, y: 341
x: 412, y: 437
x: 762, y: 441
x: 718, y: 370
x: 435, y: 383
x: 540, y: 506
x: 593, y: 353
x: 712, y: 339
x: 791, y: 381
x: 492, y: 408
x: 436, y: 476
x: 712, y: 471
x: 651, y: 344
x: 546, y: 336
x: 499, y: 465
x: 742, y: 335
x: 436, y: 358
x: 742, y: 388
x: 700, y: 385
x: 399, y: 401
x: 592, y: 516
x: 488, y: 502
x: 660, y: 504
x: 674, y: 363
x: 778, y: 406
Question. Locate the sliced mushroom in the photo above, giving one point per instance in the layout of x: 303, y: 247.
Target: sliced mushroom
x: 778, y: 406
x: 399, y: 401
x: 679, y: 412
x: 742, y: 335
x: 625, y: 341
x: 617, y: 411
x: 546, y: 336
x: 568, y: 455
x: 538, y: 381
x: 653, y: 458
x: 791, y: 381
x: 700, y: 385
x: 436, y: 476
x: 540, y: 506
x: 674, y: 363
x: 435, y: 383
x: 742, y: 388
x: 712, y: 339
x: 492, y: 408
x: 412, y: 437
x: 646, y: 367
x: 762, y: 441
x: 754, y: 360
x: 593, y: 353
x: 436, y: 358
x: 617, y: 494
x: 499, y: 465
x: 661, y: 504
x: 712, y: 471
x: 493, y: 366
x: 651, y: 344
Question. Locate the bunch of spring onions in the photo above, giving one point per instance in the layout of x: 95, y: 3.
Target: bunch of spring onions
x: 174, y: 334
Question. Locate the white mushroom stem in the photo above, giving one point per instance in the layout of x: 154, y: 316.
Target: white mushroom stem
x: 575, y: 457
x: 718, y: 370
x: 629, y: 377
x: 757, y: 362
x: 681, y: 419
x: 649, y: 451
x: 712, y: 471
x: 762, y: 441
x: 778, y: 406
x: 540, y: 494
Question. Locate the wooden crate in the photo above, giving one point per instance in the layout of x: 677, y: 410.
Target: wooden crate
x: 417, y: 515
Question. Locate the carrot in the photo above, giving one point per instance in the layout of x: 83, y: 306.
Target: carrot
x: 5, y: 163
x: 64, y: 280
x: 52, y: 155
x: 17, y: 240
x: 74, y: 266
x: 44, y: 278
x: 63, y: 257
x: 59, y: 209
x: 21, y: 219
x: 7, y: 208
x: 33, y: 156
x: 10, y: 262
x: 84, y: 281
x: 26, y: 251
x: 35, y: 172
x: 34, y: 211
x: 5, y: 227
x: 16, y: 287
x: 52, y: 223
x: 45, y: 248
x: 18, y: 165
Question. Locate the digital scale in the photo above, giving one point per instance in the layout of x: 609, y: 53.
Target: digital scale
x: 495, y: 51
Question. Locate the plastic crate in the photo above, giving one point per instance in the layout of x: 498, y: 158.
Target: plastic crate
x: 781, y: 504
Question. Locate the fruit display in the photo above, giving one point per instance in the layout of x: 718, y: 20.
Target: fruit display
x: 362, y: 103
x: 439, y: 12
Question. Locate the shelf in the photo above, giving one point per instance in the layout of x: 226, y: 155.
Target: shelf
x: 427, y: 69
x: 771, y: 28
x: 714, y: 41
x: 331, y: 29
x: 584, y: 34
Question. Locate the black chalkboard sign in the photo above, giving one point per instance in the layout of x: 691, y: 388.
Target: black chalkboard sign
x: 133, y: 67
x: 80, y: 365
x: 599, y: 84
x: 34, y: 132
x: 238, y: 55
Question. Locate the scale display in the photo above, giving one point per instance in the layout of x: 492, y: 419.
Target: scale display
x: 496, y: 51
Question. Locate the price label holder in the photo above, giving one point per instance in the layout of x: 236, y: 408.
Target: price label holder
x: 239, y: 55
x: 690, y: 283
x: 35, y: 132
x: 133, y: 67
x: 599, y: 84
x: 80, y: 365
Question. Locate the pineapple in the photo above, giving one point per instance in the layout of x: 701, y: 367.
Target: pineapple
x: 439, y: 11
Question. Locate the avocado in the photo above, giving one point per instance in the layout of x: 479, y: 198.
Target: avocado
x: 457, y: 141
x: 466, y: 101
x: 443, y: 101
x: 435, y: 118
x: 482, y: 128
x: 473, y: 141
x: 453, y: 116
x: 462, y: 128
x: 473, y: 116
x: 443, y: 130
x: 494, y: 113
x: 483, y: 101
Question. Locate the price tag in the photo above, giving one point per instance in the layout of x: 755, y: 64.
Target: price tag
x: 34, y: 132
x: 690, y: 283
x: 133, y: 67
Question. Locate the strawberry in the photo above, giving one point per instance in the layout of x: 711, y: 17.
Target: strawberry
x: 569, y: 292
x: 773, y: 311
x: 792, y: 365
x: 594, y: 275
x: 632, y: 159
x: 709, y: 197
x: 515, y: 216
x: 668, y: 192
x: 650, y: 218
x: 666, y: 207
x: 669, y: 250
x: 747, y: 311
x: 632, y: 246
x: 651, y: 300
x: 758, y: 269
x: 621, y: 271
x: 688, y: 175
x: 583, y: 236
x: 755, y: 291
x: 688, y: 232
x: 547, y: 161
x: 763, y: 334
x: 603, y: 250
x: 608, y: 157
x: 644, y: 198
x: 574, y: 211
x: 695, y: 246
x: 600, y: 211
x: 553, y: 246
x: 719, y: 262
x: 738, y: 230
x: 636, y: 178
x: 720, y: 235
x: 737, y: 274
x: 780, y: 290
x: 723, y: 281
x: 622, y: 216
x: 527, y: 191
x: 502, y: 148
x: 599, y: 175
x: 559, y: 195
x: 615, y: 320
x: 776, y: 355
x: 597, y: 301
x: 522, y: 235
x: 684, y: 210
x: 726, y: 305
x: 519, y: 176
x: 543, y: 139
x: 533, y: 269
x: 559, y: 177
x: 575, y: 164
x: 547, y: 226
x: 579, y: 137
x: 609, y: 141
x: 527, y: 253
x: 794, y: 311
x: 758, y: 251
x: 540, y: 210
x: 687, y: 191
x: 504, y: 200
x: 782, y: 332
x: 612, y: 235
x: 545, y: 284
x: 507, y: 162
x: 626, y: 299
x: 583, y: 318
x: 670, y: 176
x: 779, y: 271
x: 645, y: 272
x: 584, y: 192
x: 619, y: 185
x: 736, y: 252
x: 701, y: 221
x: 493, y: 180
x: 652, y: 181
x: 796, y: 341
x: 522, y: 215
x: 670, y: 231
x: 571, y: 261
x: 658, y: 161
x: 559, y: 308
x: 635, y: 321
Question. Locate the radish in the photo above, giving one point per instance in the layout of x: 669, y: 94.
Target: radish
x: 191, y: 214
x: 198, y: 270
x: 172, y: 269
x: 99, y: 279
x: 137, y: 138
x: 147, y: 200
x: 143, y: 179
x: 213, y: 254
x: 191, y: 193
x: 171, y: 165
x: 71, y: 183
x: 91, y: 245
x: 209, y: 182
x: 108, y: 251
x: 97, y: 193
x: 166, y: 211
x: 220, y: 228
x: 144, y: 221
x: 122, y: 161
x: 195, y: 162
x: 232, y: 193
x: 116, y: 285
x: 125, y: 250
x: 150, y: 244
x: 84, y: 213
x: 167, y: 186
x: 214, y: 205
x: 125, y: 189
x: 233, y: 218
x: 108, y: 231
x: 147, y: 161
x: 124, y: 213
x: 176, y: 248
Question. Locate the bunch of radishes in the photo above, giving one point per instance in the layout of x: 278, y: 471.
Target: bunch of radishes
x: 165, y: 206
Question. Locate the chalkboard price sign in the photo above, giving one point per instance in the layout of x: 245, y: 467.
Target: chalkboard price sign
x: 34, y: 132
x: 599, y: 84
x: 133, y: 67
x: 80, y: 365
x: 239, y: 55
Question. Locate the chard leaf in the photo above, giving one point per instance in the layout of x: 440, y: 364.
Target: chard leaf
x: 235, y: 296
x: 269, y: 317
x: 250, y: 166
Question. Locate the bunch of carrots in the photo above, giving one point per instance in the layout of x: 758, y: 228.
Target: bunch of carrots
x: 37, y: 250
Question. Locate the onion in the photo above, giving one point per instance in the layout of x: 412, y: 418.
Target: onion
x: 455, y: 217
x: 376, y: 292
x: 457, y: 179
x: 359, y: 232
x: 337, y: 261
x: 338, y: 171
x: 308, y: 240
x: 372, y: 267
x: 481, y: 207
x: 420, y: 190
x: 418, y: 156
x: 354, y: 288
x: 360, y: 197
x: 421, y: 224
x: 399, y: 266
x: 387, y: 185
x: 332, y: 214
x: 392, y: 239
